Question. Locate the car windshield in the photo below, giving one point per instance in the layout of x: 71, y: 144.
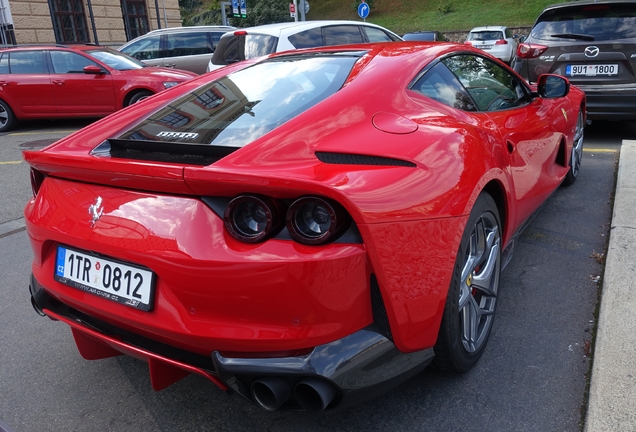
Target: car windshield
x: 485, y: 35
x: 245, y: 105
x: 115, y: 59
x: 590, y: 23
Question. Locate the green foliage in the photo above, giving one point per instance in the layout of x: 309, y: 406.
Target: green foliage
x: 445, y: 9
x: 199, y: 12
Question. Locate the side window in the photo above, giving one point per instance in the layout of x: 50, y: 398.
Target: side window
x: 184, y: 44
x: 491, y: 86
x: 4, y: 63
x: 307, y: 39
x: 144, y: 49
x: 67, y: 62
x: 376, y: 35
x: 440, y: 84
x: 341, y: 35
x: 26, y: 62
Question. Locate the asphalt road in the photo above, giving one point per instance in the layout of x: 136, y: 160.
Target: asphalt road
x: 532, y: 376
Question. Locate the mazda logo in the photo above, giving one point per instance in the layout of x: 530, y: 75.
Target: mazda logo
x: 591, y: 51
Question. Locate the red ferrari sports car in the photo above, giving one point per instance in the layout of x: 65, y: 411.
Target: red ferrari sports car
x: 306, y: 229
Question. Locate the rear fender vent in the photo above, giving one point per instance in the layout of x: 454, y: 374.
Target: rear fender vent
x: 157, y: 151
x: 380, y: 317
x: 355, y: 159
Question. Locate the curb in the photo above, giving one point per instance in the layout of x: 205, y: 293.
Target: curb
x: 612, y: 403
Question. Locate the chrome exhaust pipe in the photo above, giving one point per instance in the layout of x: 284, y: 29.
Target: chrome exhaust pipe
x: 270, y: 392
x: 314, y: 394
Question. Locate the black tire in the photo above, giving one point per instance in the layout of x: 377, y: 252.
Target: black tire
x: 139, y: 96
x: 470, y: 303
x: 577, y: 151
x: 7, y: 118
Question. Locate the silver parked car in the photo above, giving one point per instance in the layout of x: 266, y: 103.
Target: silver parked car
x: 188, y: 48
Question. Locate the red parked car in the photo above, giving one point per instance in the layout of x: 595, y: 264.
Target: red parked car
x: 307, y: 229
x: 74, y: 81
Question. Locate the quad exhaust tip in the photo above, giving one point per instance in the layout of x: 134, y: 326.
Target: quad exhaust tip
x: 270, y: 392
x: 314, y: 394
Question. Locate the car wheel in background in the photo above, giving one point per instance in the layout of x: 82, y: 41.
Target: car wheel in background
x: 7, y: 118
x: 577, y: 151
x: 139, y: 96
x: 472, y: 295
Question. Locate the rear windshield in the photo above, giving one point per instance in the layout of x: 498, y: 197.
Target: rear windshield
x: 485, y: 35
x: 232, y: 49
x: 245, y: 105
x: 601, y: 22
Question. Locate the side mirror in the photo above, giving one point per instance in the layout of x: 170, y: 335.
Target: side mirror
x: 522, y: 39
x: 94, y: 70
x: 552, y: 86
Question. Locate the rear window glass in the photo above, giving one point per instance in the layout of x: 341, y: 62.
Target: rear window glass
x: 485, y: 35
x: 245, y: 105
x: 342, y: 35
x: 26, y: 62
x: 307, y: 39
x: 4, y: 63
x: 601, y: 22
x: 235, y: 48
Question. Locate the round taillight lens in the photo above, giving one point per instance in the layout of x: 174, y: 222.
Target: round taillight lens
x: 251, y: 218
x: 313, y: 220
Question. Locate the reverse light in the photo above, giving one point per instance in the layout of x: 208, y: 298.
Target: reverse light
x: 528, y: 51
x: 313, y: 220
x: 251, y: 218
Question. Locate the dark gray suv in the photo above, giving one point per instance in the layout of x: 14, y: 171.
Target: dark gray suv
x: 593, y: 44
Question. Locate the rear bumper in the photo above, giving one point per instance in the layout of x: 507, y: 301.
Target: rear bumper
x: 351, y: 369
x: 613, y: 102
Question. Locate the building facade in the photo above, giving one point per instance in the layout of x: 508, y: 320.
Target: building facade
x: 103, y: 22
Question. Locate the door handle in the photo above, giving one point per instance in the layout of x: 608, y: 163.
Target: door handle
x: 171, y: 65
x: 3, y: 83
x: 57, y: 82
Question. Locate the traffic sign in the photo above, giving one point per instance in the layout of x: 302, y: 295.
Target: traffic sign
x: 292, y: 10
x: 243, y: 9
x: 235, y: 7
x: 363, y: 10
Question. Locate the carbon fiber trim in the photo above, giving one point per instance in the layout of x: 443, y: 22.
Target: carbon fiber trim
x: 379, y: 311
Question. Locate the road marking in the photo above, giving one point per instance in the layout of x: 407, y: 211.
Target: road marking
x: 599, y: 150
x: 10, y: 162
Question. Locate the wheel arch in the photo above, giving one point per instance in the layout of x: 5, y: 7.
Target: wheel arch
x: 134, y: 91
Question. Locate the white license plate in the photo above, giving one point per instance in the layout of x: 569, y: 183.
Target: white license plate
x: 592, y: 70
x: 484, y: 47
x: 123, y: 283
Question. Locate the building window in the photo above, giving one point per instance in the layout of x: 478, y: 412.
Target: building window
x: 135, y: 18
x: 69, y: 21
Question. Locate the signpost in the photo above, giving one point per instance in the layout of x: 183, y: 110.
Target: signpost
x: 235, y: 7
x: 363, y: 10
x: 243, y: 8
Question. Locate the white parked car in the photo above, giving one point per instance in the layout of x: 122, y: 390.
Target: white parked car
x: 257, y: 41
x: 498, y: 41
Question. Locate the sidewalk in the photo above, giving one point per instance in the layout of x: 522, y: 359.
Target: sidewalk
x: 612, y: 404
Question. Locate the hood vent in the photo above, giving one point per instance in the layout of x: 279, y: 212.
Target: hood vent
x: 158, y: 151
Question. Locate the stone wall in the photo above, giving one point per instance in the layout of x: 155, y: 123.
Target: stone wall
x: 32, y: 20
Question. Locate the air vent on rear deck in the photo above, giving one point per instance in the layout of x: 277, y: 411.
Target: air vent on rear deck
x: 355, y: 159
x: 157, y: 151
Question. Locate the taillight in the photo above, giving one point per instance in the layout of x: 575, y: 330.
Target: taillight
x: 37, y: 178
x: 313, y: 220
x: 251, y: 218
x: 240, y: 33
x: 525, y: 50
x: 501, y: 42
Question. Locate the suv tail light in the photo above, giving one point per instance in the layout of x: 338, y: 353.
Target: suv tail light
x: 501, y: 42
x: 528, y: 51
